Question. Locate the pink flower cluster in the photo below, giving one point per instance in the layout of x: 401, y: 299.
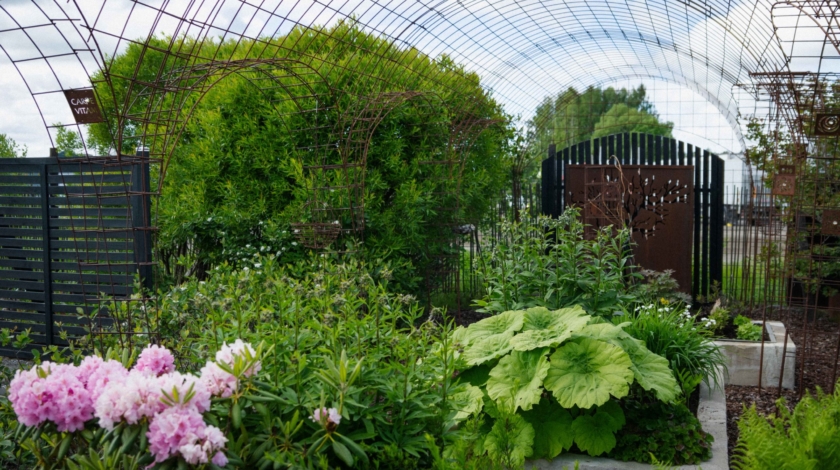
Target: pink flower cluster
x: 61, y: 393
x: 183, y: 431
x: 155, y: 360
x: 172, y: 402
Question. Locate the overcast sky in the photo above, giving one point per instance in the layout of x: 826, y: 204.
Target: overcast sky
x: 692, y: 60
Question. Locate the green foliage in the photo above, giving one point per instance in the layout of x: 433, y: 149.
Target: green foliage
x: 572, y: 116
x: 587, y: 372
x: 339, y: 340
x: 747, y: 330
x: 662, y: 432
x: 68, y: 142
x: 807, y: 439
x: 510, y: 440
x: 239, y: 162
x: 721, y: 317
x: 565, y: 388
x: 671, y: 332
x: 622, y: 118
x: 10, y: 149
x: 659, y: 285
x: 548, y: 263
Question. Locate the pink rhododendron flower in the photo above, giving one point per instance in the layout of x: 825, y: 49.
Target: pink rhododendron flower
x: 183, y: 431
x: 329, y: 414
x: 155, y: 360
x: 135, y: 397
x: 105, y: 373
x: 238, y: 348
x: 218, y: 382
x: 59, y: 397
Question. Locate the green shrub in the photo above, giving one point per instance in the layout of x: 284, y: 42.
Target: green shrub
x: 747, y: 330
x: 673, y: 333
x: 548, y: 263
x: 662, y: 432
x: 807, y: 439
x: 322, y: 317
x: 545, y: 380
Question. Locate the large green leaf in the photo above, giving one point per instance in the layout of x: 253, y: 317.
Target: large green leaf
x: 487, y: 349
x: 615, y: 412
x: 516, y: 381
x: 593, y: 433
x: 467, y: 401
x: 552, y: 429
x: 511, y: 440
x: 503, y: 323
x: 602, y: 331
x: 653, y: 372
x: 543, y: 328
x: 586, y: 372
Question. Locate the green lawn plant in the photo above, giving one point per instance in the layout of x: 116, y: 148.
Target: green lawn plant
x: 806, y: 439
x: 544, y: 380
x: 549, y: 263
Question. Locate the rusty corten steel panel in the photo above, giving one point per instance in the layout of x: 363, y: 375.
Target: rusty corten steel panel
x: 655, y: 202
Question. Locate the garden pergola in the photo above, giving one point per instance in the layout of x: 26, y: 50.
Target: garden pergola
x: 773, y: 60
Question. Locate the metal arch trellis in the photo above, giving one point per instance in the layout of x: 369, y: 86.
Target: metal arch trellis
x: 520, y: 50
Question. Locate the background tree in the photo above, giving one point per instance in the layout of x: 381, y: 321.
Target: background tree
x: 10, y: 149
x: 572, y: 117
x: 68, y: 142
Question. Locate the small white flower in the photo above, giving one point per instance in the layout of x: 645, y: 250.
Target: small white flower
x: 257, y: 265
x: 294, y: 243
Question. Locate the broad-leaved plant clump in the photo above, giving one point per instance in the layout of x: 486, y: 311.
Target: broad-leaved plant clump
x: 553, y: 378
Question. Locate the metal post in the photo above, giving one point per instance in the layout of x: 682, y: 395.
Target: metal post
x: 47, y: 269
x: 141, y: 216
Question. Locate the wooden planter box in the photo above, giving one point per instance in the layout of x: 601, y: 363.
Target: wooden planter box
x: 744, y: 357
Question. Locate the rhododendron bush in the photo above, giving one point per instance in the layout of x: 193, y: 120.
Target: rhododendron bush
x: 354, y: 377
x: 149, y: 410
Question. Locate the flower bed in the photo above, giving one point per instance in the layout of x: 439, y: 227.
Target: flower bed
x: 744, y: 359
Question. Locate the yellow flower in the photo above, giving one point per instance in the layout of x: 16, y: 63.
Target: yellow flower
x: 663, y: 301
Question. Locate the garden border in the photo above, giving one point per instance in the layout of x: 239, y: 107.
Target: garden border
x: 712, y: 415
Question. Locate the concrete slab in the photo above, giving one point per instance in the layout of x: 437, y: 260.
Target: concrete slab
x: 712, y: 415
x: 744, y: 357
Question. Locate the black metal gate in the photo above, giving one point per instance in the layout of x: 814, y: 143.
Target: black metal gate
x: 71, y: 232
x: 646, y: 149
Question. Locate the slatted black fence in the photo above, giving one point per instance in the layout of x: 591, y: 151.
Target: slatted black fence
x: 71, y: 232
x: 645, y: 149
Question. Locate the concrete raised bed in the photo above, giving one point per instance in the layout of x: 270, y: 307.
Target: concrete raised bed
x: 744, y: 357
x: 712, y: 415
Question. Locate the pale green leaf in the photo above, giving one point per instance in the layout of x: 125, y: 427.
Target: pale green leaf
x: 503, y: 323
x: 487, y: 349
x: 552, y: 429
x: 516, y: 381
x: 544, y: 328
x: 653, y: 372
x: 587, y: 372
x: 466, y: 401
x: 593, y: 434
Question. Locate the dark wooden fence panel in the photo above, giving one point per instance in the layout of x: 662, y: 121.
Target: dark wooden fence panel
x: 70, y: 231
x: 645, y: 149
